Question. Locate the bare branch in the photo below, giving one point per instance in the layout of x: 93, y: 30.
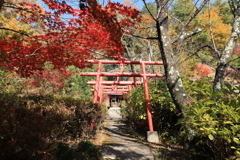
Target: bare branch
x: 148, y: 10
x: 32, y: 54
x: 130, y: 58
x: 235, y: 69
x: 211, y: 31
x: 13, y: 6
x: 152, y: 27
x: 234, y: 59
x: 232, y: 7
x: 25, y: 34
x: 161, y: 8
x: 177, y: 19
x: 187, y: 35
x: 189, y: 20
x: 205, y: 61
x: 96, y: 52
x: 1, y: 4
x: 137, y: 36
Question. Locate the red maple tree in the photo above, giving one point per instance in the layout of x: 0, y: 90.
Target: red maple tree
x: 236, y: 51
x: 49, y: 79
x: 202, y: 70
x: 94, y: 30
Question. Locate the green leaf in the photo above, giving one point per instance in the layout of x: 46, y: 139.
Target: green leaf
x: 228, y: 122
x: 235, y: 128
x: 210, y: 137
x: 206, y: 116
x: 229, y: 86
x: 209, y: 102
x: 233, y: 147
x: 236, y: 140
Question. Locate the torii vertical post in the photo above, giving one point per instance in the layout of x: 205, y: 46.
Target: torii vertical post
x: 148, y: 106
x: 134, y: 80
x: 96, y: 97
x: 100, y: 93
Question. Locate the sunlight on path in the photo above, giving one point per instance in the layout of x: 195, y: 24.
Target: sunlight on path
x: 118, y: 145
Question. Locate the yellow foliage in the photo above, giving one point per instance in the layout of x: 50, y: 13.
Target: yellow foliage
x: 146, y: 27
x: 18, y: 1
x: 11, y: 20
x: 129, y: 3
x: 212, y: 19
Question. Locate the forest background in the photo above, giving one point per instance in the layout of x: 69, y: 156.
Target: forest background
x: 43, y: 51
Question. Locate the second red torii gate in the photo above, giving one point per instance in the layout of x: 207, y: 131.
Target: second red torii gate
x: 114, y: 88
x: 144, y: 75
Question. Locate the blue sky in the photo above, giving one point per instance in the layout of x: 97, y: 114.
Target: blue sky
x: 74, y: 4
x: 138, y: 3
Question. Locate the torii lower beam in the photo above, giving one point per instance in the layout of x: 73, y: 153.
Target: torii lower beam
x: 115, y: 82
x: 101, y: 86
x: 107, y: 74
x: 115, y: 92
x: 112, y: 90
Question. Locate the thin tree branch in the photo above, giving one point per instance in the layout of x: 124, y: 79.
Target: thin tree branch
x: 95, y: 57
x: 32, y: 54
x: 13, y: 6
x: 196, y: 54
x: 130, y: 58
x: 187, y: 35
x: 211, y: 31
x: 177, y: 19
x: 149, y: 10
x: 137, y: 36
x: 161, y: 8
x: 234, y: 59
x: 232, y: 7
x: 1, y: 4
x: 235, y: 69
x: 149, y: 27
x: 25, y: 34
x: 189, y: 20
x: 41, y: 15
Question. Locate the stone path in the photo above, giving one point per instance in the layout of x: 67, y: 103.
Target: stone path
x: 118, y: 146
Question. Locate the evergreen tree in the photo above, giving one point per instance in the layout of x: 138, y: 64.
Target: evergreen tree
x: 182, y: 9
x: 225, y: 11
x: 151, y: 7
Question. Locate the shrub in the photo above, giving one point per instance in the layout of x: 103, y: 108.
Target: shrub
x: 31, y: 126
x: 211, y: 128
x: 76, y: 85
x: 202, y: 70
x: 212, y: 124
x: 163, y: 110
x: 87, y: 150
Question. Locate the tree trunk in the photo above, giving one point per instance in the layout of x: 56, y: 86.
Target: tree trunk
x: 130, y: 59
x: 173, y: 79
x: 150, y: 55
x: 1, y: 4
x: 227, y: 53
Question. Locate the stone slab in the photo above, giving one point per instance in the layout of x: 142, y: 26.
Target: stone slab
x: 152, y: 136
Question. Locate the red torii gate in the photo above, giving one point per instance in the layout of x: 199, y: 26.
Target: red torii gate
x: 98, y: 90
x: 114, y: 88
